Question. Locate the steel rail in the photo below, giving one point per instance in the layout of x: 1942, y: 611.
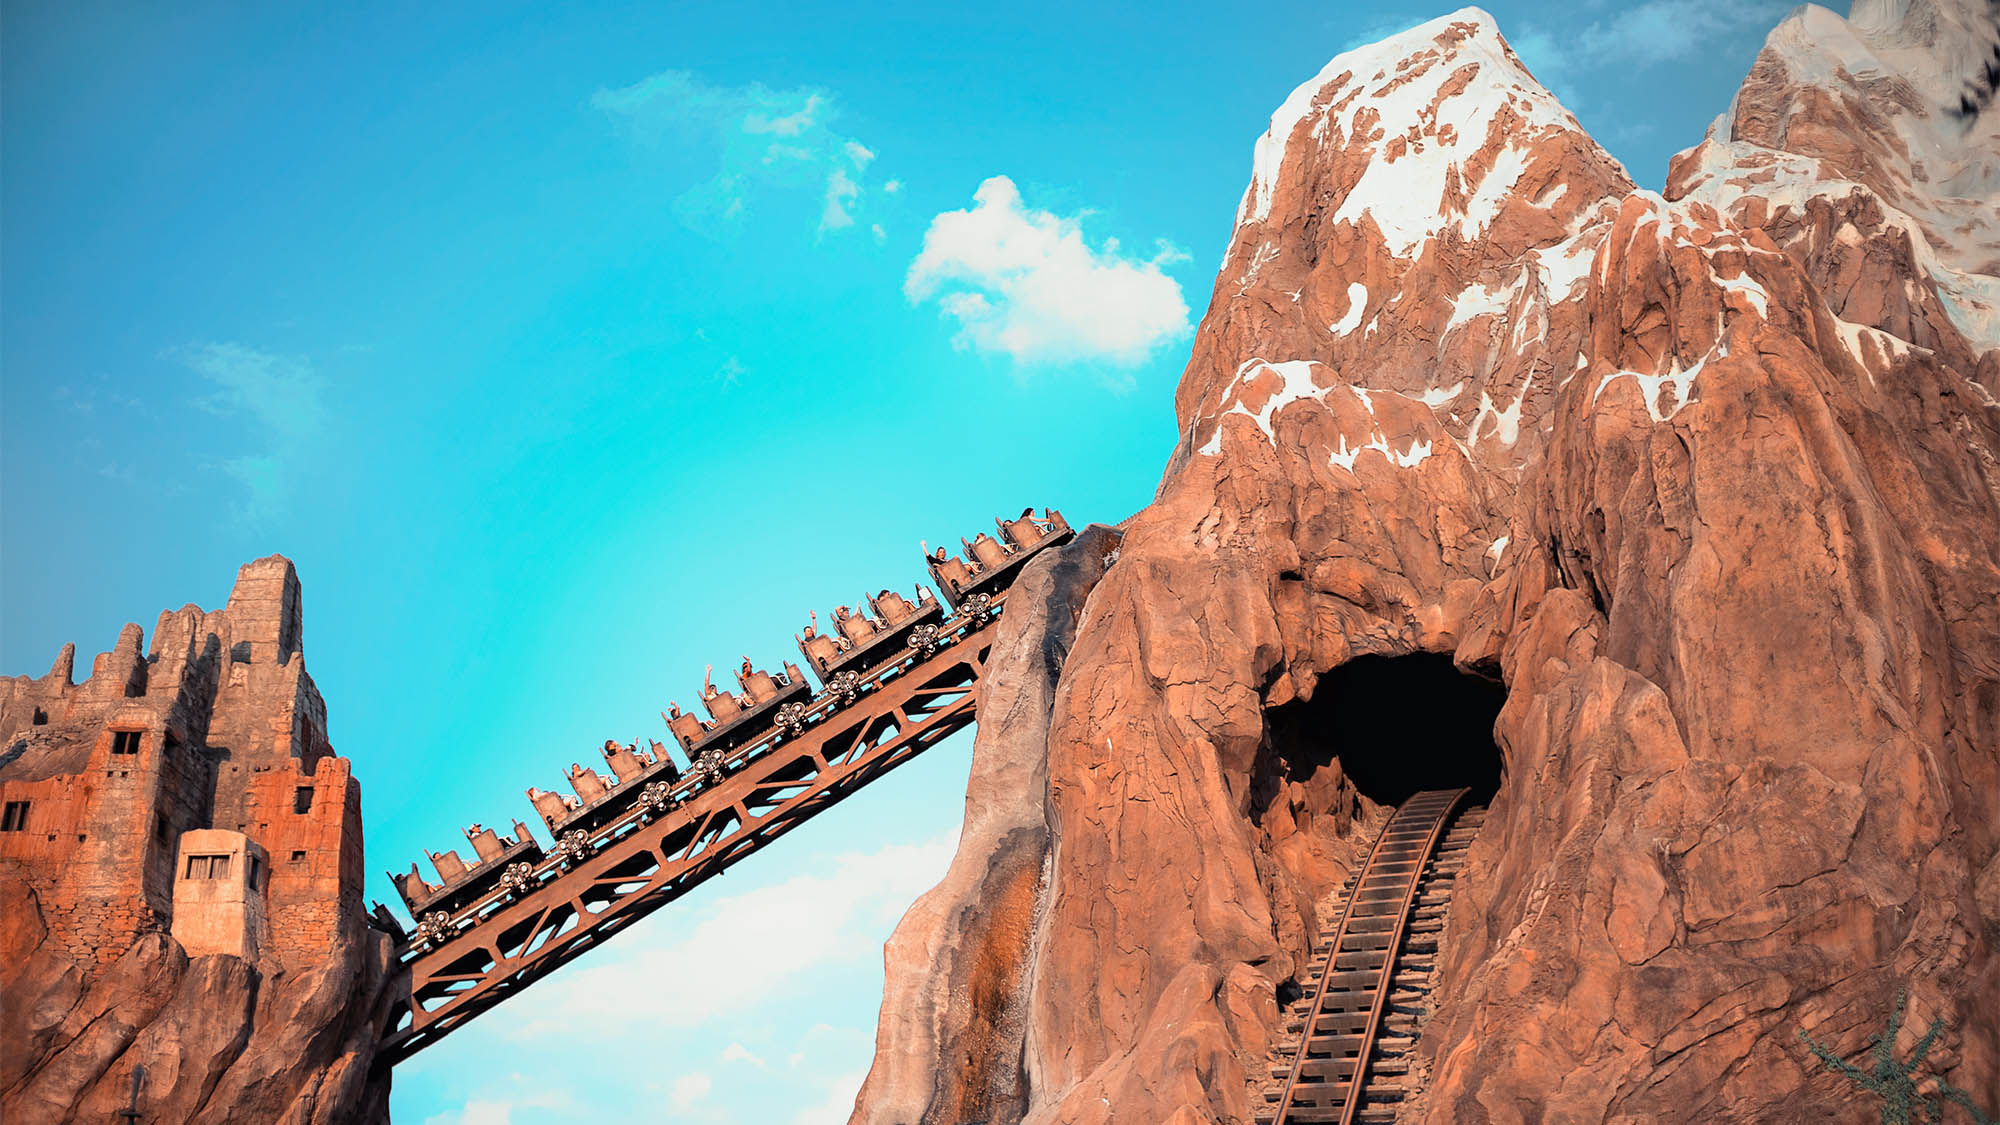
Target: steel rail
x: 1426, y: 816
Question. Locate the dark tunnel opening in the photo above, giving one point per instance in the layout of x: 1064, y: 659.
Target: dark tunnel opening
x: 1398, y: 725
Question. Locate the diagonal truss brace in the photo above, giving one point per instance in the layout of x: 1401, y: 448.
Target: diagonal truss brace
x: 594, y: 886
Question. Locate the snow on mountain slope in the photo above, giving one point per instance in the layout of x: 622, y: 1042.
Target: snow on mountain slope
x: 1709, y: 479
x: 1424, y: 203
x: 1867, y: 108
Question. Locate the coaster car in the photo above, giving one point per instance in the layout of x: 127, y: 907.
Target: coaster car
x: 738, y: 718
x: 460, y: 884
x: 555, y: 809
x: 864, y: 641
x: 989, y: 563
x: 600, y: 800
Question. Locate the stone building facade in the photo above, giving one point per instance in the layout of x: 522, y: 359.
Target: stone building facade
x: 218, y: 727
x: 180, y: 846
x: 219, y: 885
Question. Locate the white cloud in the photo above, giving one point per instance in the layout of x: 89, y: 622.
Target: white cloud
x: 787, y: 154
x: 772, y: 144
x: 840, y: 193
x: 737, y: 1052
x: 1662, y: 31
x: 1649, y: 34
x: 759, y: 927
x: 1024, y: 283
x: 475, y: 1113
x: 689, y: 1089
x: 279, y: 393
x: 500, y: 1111
x: 793, y: 124
x: 281, y: 400
x: 1382, y: 29
x: 838, y: 1104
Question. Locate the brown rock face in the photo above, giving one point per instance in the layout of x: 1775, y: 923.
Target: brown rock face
x: 976, y: 925
x: 1710, y: 487
x: 172, y: 802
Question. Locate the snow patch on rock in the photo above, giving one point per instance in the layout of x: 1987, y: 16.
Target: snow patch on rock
x: 1357, y: 303
x: 1408, y: 459
x: 1401, y: 82
x: 1565, y: 263
x: 1506, y: 423
x: 1295, y: 383
x: 1493, y: 190
x: 1298, y: 380
x: 1435, y: 397
x: 1479, y: 300
x: 1680, y: 379
x: 1752, y: 291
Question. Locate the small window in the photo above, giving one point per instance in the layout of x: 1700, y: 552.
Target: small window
x: 302, y: 799
x: 160, y: 828
x: 208, y: 867
x: 125, y: 741
x: 256, y: 870
x: 299, y: 856
x: 14, y: 817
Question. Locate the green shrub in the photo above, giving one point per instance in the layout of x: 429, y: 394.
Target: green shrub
x: 1895, y: 1081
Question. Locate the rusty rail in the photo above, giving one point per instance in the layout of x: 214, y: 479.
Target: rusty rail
x: 1327, y: 1074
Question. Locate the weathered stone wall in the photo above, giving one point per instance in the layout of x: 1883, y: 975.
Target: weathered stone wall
x: 99, y: 843
x: 316, y: 855
x: 231, y: 736
x: 219, y: 882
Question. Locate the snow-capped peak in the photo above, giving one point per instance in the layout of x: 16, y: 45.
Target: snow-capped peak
x: 1442, y: 87
x: 1872, y: 104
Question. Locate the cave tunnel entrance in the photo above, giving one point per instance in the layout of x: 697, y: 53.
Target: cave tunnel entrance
x: 1398, y: 725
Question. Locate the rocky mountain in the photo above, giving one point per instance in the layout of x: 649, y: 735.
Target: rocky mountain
x: 181, y: 925
x: 1707, y: 481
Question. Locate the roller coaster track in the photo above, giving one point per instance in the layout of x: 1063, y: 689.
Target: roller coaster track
x: 656, y: 836
x: 1356, y: 1022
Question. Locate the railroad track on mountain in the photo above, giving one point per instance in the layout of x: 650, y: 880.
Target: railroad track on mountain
x: 1354, y: 1027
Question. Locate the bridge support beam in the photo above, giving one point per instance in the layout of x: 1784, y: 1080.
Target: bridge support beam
x: 595, y: 884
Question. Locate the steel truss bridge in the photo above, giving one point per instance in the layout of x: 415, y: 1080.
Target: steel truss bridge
x: 892, y: 686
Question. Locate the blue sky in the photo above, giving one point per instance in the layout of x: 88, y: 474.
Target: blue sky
x: 569, y: 348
